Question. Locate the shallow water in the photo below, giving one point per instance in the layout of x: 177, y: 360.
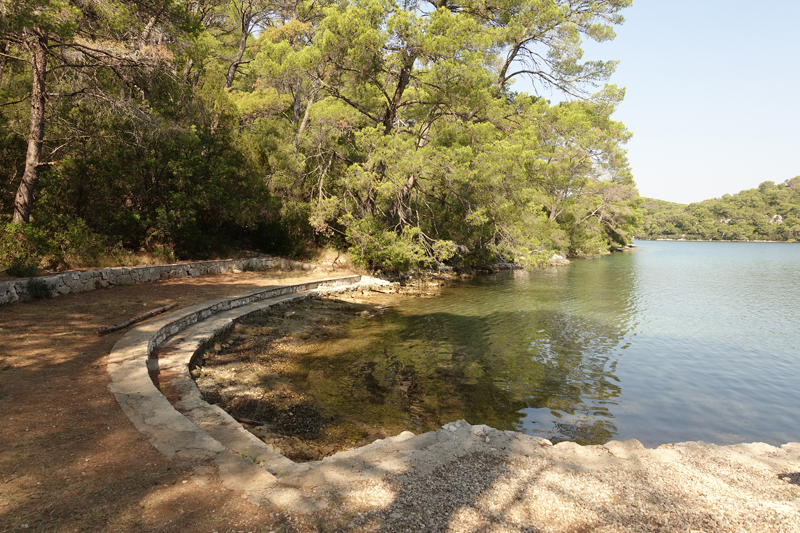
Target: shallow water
x: 672, y: 341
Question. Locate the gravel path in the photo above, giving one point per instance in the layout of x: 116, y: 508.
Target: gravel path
x: 613, y: 488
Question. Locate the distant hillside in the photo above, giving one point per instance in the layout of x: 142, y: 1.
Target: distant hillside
x: 770, y: 212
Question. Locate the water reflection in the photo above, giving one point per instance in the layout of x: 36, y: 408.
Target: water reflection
x: 708, y: 334
x: 522, y: 351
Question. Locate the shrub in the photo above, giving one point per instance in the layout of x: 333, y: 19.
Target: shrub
x: 53, y: 242
x: 22, y: 247
x: 39, y: 289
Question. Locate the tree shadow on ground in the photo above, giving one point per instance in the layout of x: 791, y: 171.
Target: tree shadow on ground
x: 484, y: 492
x: 71, y: 460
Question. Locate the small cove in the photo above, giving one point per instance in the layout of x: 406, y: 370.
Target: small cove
x: 670, y: 342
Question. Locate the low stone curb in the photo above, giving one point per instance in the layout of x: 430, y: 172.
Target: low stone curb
x: 215, y: 443
x: 219, y: 448
x: 176, y: 356
x: 170, y: 432
x: 87, y: 280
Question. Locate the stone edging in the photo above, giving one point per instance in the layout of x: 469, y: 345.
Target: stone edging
x: 220, y: 450
x: 219, y: 447
x: 172, y: 433
x: 87, y: 280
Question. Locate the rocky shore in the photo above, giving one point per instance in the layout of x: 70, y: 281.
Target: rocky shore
x: 472, y: 478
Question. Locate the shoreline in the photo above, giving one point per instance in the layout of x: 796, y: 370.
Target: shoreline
x: 409, y: 462
x: 701, y: 240
x: 88, y: 468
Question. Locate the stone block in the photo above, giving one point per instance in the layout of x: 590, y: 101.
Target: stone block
x: 61, y: 288
x: 8, y: 293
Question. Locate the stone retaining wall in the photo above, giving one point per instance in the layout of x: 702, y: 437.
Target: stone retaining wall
x: 87, y: 280
x: 169, y: 431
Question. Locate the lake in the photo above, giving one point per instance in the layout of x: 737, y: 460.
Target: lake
x: 669, y: 342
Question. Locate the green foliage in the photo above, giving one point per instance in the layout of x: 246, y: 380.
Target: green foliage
x: 370, y: 125
x: 770, y: 212
x: 21, y: 249
x: 53, y: 242
x: 375, y: 247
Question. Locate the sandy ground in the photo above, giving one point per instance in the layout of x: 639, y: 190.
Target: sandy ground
x: 71, y: 461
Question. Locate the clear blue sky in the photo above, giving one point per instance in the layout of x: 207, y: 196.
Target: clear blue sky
x: 713, y: 94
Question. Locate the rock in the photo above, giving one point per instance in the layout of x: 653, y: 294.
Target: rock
x: 558, y: 259
x: 296, y: 449
x: 480, y: 430
x: 384, y: 290
x: 248, y: 377
x: 453, y: 426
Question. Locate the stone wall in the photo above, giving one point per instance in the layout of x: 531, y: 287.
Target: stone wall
x: 86, y: 280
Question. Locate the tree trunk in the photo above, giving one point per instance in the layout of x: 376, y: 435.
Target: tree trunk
x: 397, y: 213
x: 4, y: 60
x: 512, y: 55
x: 24, y: 198
x: 187, y: 70
x: 145, y: 35
x: 298, y: 94
x: 247, y: 17
x: 391, y: 108
x: 306, y: 114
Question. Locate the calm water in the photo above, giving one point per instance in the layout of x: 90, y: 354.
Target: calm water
x: 670, y: 342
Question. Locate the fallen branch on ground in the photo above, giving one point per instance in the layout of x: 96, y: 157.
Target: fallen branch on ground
x: 137, y: 318
x: 249, y: 421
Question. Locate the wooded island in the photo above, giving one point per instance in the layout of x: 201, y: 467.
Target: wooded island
x: 769, y: 213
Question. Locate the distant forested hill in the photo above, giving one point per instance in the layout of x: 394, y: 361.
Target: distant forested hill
x: 770, y: 212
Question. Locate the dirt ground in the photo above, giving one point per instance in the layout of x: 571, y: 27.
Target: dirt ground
x: 69, y: 458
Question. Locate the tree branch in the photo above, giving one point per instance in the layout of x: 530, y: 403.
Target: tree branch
x: 18, y: 101
x: 333, y: 91
x: 9, y: 56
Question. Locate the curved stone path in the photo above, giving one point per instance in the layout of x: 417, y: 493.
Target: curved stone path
x: 461, y: 474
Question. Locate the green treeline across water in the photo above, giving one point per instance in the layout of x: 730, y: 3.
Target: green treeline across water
x: 187, y: 128
x: 769, y: 213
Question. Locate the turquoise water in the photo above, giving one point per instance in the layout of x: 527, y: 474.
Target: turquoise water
x: 669, y: 342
